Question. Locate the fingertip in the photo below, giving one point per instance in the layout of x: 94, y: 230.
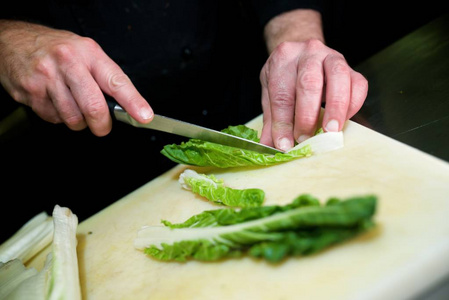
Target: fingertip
x: 103, y: 130
x: 146, y: 114
x: 302, y: 138
x: 284, y: 144
x: 332, y: 126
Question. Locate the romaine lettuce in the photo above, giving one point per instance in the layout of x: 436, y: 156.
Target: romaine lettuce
x: 201, y: 153
x: 214, y: 190
x: 269, y: 232
x: 59, y: 278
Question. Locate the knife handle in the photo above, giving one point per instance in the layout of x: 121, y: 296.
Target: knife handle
x: 112, y: 104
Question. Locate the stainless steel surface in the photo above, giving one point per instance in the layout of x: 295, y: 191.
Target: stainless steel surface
x: 189, y: 130
x: 408, y: 96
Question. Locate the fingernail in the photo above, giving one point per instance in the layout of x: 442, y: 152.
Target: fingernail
x: 119, y: 80
x: 145, y: 114
x: 302, y: 138
x: 285, y: 144
x: 332, y: 126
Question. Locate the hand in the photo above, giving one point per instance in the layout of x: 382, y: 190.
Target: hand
x: 62, y: 77
x: 295, y: 80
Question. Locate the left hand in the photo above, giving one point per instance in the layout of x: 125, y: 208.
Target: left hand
x: 296, y: 78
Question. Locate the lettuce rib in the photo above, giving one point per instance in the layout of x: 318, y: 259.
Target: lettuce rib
x: 214, y: 190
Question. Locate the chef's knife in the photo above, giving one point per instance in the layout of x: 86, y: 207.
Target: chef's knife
x: 189, y: 130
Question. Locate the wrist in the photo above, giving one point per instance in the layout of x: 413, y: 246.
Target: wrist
x: 294, y: 26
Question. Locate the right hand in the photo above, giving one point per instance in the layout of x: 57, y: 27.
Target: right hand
x: 62, y: 77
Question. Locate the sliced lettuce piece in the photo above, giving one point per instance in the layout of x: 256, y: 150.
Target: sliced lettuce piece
x: 201, y: 153
x: 322, y: 142
x: 12, y: 274
x: 243, y: 132
x: 31, y: 238
x: 64, y: 283
x: 214, y: 190
x: 270, y: 232
x: 59, y: 279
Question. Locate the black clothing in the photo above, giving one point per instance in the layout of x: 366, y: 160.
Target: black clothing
x: 183, y: 56
x: 198, y: 61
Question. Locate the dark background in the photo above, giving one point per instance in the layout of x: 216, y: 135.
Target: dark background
x: 44, y: 164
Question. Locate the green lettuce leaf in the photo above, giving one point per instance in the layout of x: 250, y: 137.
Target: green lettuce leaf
x: 201, y: 153
x: 269, y: 232
x: 243, y: 132
x: 214, y: 190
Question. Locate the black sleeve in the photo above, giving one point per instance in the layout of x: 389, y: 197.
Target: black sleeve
x: 31, y: 11
x: 267, y: 9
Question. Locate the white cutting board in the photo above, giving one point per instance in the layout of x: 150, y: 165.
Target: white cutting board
x: 407, y: 252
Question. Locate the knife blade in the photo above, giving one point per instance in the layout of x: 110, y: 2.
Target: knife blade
x: 185, y: 129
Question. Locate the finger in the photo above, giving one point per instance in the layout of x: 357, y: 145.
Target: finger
x: 309, y: 92
x: 90, y: 99
x: 266, y: 137
x: 338, y: 92
x: 117, y: 84
x: 66, y: 106
x: 45, y: 109
x: 281, y: 93
x: 359, y: 91
x: 39, y: 103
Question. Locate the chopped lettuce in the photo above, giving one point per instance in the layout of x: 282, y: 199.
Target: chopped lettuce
x: 201, y: 153
x: 59, y: 279
x: 270, y: 232
x: 31, y: 238
x: 243, y: 132
x: 214, y: 190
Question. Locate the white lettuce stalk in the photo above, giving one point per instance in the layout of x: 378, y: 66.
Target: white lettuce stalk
x: 59, y: 279
x: 322, y: 142
x: 29, y: 239
x: 64, y: 278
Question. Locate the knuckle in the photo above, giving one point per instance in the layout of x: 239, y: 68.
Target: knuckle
x: 74, y: 120
x: 117, y: 80
x: 18, y: 96
x: 307, y: 121
x: 43, y: 67
x: 264, y: 74
x: 284, y: 47
x: 339, y: 66
x: 282, y: 126
x: 360, y: 83
x: 339, y: 102
x: 355, y: 106
x: 283, y: 52
x: 47, y: 115
x: 283, y: 100
x: 359, y: 93
x: 63, y: 52
x: 33, y: 87
x: 90, y: 43
x: 94, y: 109
x: 311, y: 81
x: 314, y: 44
x: 311, y: 84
